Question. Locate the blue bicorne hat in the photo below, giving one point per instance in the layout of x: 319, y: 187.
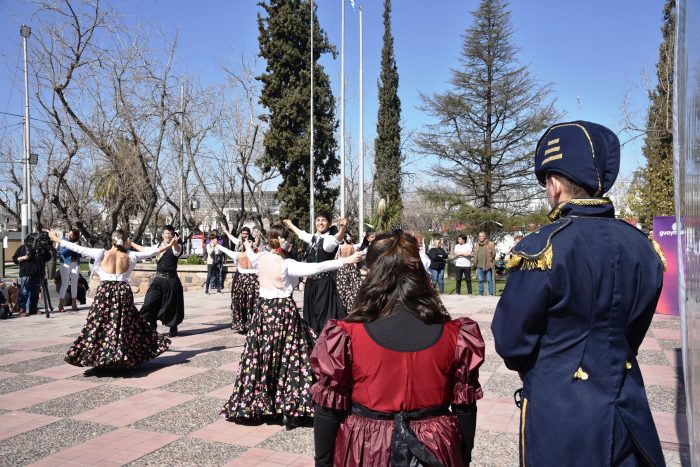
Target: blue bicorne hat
x: 584, y: 152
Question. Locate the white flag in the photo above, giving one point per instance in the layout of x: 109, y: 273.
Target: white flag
x: 352, y: 4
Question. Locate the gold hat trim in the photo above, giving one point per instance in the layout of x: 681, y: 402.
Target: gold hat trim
x: 552, y: 142
x: 551, y: 150
x: 555, y: 157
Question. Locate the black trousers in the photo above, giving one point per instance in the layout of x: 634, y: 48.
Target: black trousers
x: 467, y: 272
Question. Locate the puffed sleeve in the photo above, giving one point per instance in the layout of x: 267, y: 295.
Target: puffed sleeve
x: 331, y: 362
x: 469, y: 355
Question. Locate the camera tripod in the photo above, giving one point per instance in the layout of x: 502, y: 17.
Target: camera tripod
x: 43, y: 285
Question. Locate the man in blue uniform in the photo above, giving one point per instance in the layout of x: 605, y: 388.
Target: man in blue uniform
x: 578, y: 303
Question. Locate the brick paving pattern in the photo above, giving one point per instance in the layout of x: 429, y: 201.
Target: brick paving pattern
x: 166, y: 412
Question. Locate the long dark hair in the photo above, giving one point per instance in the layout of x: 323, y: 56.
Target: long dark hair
x: 396, y: 276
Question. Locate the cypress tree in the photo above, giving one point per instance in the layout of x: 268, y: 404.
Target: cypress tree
x: 284, y: 38
x: 387, y: 145
x: 652, y: 192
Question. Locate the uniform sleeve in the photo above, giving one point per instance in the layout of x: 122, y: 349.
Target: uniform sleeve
x: 469, y: 355
x: 521, y: 317
x: 331, y: 363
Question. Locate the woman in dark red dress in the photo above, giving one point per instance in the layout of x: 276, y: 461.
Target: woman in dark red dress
x: 396, y: 398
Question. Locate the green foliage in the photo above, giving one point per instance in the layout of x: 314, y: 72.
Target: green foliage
x: 192, y: 260
x: 387, y: 145
x: 284, y: 38
x: 489, y: 121
x: 652, y: 191
x: 385, y: 216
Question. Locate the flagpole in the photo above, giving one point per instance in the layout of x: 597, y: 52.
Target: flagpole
x: 311, y: 135
x: 362, y: 149
x: 342, y: 109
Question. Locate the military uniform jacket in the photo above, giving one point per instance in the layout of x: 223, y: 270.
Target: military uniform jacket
x: 579, y: 300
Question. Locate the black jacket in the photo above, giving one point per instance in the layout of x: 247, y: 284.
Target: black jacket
x: 438, y: 258
x: 33, y: 266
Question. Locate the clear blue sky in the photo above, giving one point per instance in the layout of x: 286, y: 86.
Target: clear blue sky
x: 594, y: 53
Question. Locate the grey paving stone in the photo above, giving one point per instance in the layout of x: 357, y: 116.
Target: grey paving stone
x: 184, y: 418
x: 35, y: 444
x: 652, y: 357
x: 35, y: 364
x: 21, y: 382
x: 491, y: 363
x: 502, y: 384
x: 665, y: 399
x: 299, y: 440
x: 666, y: 324
x: 58, y: 348
x: 214, y: 359
x: 670, y: 344
x: 486, y: 333
x: 494, y: 449
x: 4, y: 351
x: 676, y: 459
x: 83, y: 401
x: 232, y: 341
x: 202, y: 383
x: 189, y: 451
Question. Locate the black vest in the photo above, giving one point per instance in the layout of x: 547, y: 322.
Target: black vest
x: 315, y: 253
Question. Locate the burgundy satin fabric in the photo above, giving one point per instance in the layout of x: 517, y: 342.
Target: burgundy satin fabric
x: 388, y: 379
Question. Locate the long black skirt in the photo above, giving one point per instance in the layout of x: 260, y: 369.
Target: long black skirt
x: 322, y: 301
x: 164, y: 301
x: 115, y: 335
x: 244, y: 295
x: 348, y: 281
x: 274, y: 374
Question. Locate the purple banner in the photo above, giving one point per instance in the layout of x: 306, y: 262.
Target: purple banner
x: 666, y: 236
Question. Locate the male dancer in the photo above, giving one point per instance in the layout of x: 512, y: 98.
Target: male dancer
x: 164, y: 300
x: 321, y: 299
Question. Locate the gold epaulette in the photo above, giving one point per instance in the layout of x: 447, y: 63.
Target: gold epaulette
x: 543, y: 261
x: 659, y: 252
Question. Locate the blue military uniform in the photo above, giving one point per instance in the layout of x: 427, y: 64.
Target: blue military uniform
x: 579, y: 300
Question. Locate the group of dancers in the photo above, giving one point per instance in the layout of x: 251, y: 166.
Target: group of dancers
x: 295, y: 367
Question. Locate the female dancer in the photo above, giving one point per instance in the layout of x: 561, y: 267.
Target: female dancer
x: 348, y: 279
x: 396, y: 398
x: 321, y: 299
x: 115, y: 335
x: 274, y: 375
x: 245, y: 287
x: 70, y: 265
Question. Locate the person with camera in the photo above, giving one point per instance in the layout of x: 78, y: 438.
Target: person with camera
x: 31, y: 257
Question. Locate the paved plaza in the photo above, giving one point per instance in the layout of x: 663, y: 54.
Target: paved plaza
x: 167, y: 411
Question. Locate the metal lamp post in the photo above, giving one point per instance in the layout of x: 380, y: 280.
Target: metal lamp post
x: 25, y: 31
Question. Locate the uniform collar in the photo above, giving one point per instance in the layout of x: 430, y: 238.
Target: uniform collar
x: 584, y: 207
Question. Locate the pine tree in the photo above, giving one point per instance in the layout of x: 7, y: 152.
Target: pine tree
x: 652, y: 190
x: 284, y: 38
x: 488, y: 123
x: 387, y: 145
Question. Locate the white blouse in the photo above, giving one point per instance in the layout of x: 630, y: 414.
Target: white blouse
x: 98, y: 253
x: 329, y: 241
x: 290, y: 272
x: 234, y: 255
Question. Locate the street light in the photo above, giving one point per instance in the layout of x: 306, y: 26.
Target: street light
x: 25, y: 31
x: 33, y: 159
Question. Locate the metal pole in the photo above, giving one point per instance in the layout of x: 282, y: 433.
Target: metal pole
x: 362, y: 148
x: 342, y: 110
x: 182, y: 157
x: 25, y: 31
x: 311, y: 149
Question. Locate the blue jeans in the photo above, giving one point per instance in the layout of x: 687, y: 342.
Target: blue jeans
x: 28, y: 299
x: 216, y: 277
x: 438, y: 277
x: 485, y: 275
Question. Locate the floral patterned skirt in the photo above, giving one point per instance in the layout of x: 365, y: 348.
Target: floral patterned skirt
x: 348, y: 280
x: 115, y: 335
x: 274, y: 375
x: 244, y: 295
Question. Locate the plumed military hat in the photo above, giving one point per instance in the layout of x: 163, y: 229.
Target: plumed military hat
x: 586, y: 153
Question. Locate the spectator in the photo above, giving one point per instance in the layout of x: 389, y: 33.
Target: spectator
x: 31, y: 270
x: 463, y: 264
x: 485, y: 255
x: 215, y: 265
x: 69, y: 270
x: 438, y: 258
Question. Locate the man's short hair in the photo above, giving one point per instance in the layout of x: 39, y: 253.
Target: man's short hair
x: 325, y: 214
x: 572, y: 188
x: 463, y: 237
x: 169, y: 228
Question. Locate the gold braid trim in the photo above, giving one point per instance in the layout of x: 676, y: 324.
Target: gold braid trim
x: 556, y: 212
x: 659, y: 252
x: 543, y: 261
